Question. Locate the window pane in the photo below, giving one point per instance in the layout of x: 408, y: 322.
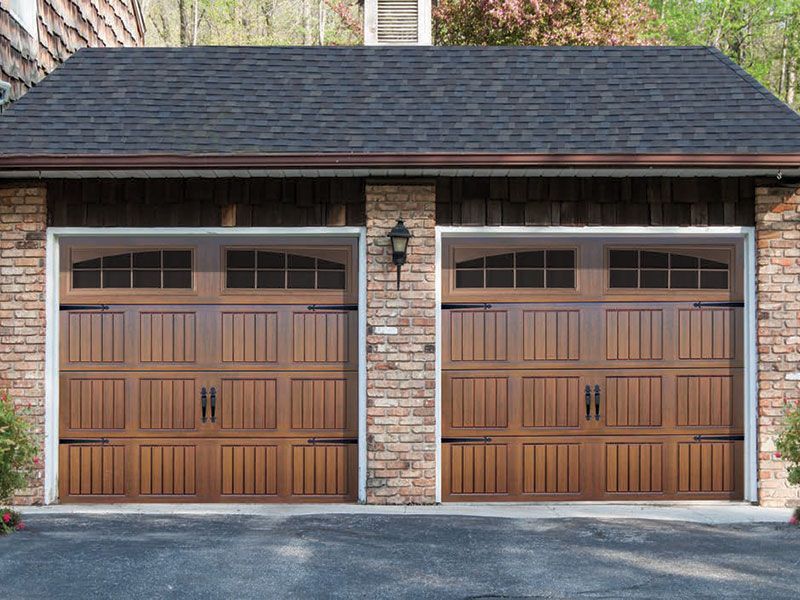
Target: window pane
x: 241, y: 259
x: 177, y: 259
x: 475, y: 263
x: 681, y: 261
x: 469, y: 279
x: 712, y: 264
x: 529, y: 278
x: 655, y: 279
x: 561, y: 279
x: 86, y: 279
x: 271, y: 260
x: 301, y: 280
x: 530, y: 259
x: 92, y: 263
x: 116, y: 279
x: 500, y: 278
x: 624, y: 278
x: 624, y: 259
x: 655, y: 260
x: 683, y: 279
x: 117, y: 261
x: 330, y: 280
x: 147, y: 260
x: 301, y: 262
x: 178, y: 279
x: 714, y: 280
x: 147, y: 279
x: 560, y: 259
x: 241, y: 279
x: 500, y: 260
x: 329, y: 264
x: 272, y: 279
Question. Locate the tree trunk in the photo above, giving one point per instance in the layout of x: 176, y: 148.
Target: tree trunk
x: 184, y: 37
x: 321, y: 22
x: 791, y: 82
x: 307, y: 35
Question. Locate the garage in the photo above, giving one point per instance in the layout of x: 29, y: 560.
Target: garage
x: 208, y: 369
x: 592, y: 369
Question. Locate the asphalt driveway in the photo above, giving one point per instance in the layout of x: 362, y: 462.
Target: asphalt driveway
x: 394, y: 556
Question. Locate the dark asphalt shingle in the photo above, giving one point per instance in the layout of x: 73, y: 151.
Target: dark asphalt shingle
x: 275, y: 100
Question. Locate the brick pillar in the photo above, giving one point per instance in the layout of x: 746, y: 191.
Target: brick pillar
x: 23, y: 214
x: 400, y: 348
x: 778, y: 267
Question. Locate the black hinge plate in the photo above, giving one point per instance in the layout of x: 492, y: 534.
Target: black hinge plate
x: 466, y: 440
x: 457, y: 305
x: 718, y: 304
x: 313, y: 441
x: 333, y: 307
x: 83, y: 441
x: 83, y: 307
x: 719, y: 438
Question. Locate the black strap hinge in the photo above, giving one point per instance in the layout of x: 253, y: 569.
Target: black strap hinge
x: 313, y: 441
x: 457, y: 305
x: 83, y: 441
x: 466, y: 440
x: 333, y: 307
x: 718, y: 438
x: 83, y: 307
x: 718, y: 304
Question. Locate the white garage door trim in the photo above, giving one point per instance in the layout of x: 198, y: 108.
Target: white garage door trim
x: 56, y: 234
x: 679, y: 233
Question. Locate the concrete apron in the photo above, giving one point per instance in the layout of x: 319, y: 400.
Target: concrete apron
x: 710, y: 513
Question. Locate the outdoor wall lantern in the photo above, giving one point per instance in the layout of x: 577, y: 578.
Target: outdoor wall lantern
x: 399, y: 235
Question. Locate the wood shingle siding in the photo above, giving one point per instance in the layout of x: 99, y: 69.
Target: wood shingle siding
x: 595, y: 201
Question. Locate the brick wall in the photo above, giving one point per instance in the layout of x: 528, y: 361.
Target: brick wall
x: 400, y: 348
x: 778, y: 257
x: 23, y: 212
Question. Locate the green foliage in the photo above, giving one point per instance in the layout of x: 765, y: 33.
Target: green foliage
x: 17, y: 450
x: 788, y: 442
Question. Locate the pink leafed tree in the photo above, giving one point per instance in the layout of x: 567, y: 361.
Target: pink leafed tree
x: 544, y: 22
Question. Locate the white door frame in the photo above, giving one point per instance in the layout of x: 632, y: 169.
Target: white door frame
x: 678, y: 233
x: 56, y: 234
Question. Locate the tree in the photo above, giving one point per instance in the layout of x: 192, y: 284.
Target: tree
x: 544, y: 22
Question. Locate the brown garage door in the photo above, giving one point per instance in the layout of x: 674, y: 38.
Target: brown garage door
x: 599, y: 370
x: 210, y: 371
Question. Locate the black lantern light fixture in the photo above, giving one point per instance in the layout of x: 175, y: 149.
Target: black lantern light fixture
x: 399, y: 235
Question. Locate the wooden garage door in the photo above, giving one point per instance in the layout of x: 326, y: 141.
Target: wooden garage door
x: 208, y: 371
x: 595, y: 371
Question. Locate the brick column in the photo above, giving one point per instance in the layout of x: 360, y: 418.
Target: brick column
x: 778, y: 267
x: 400, y: 348
x: 23, y: 214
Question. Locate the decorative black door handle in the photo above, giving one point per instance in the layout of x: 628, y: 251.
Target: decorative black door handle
x: 596, y: 402
x: 203, y: 404
x: 213, y: 405
x: 588, y: 395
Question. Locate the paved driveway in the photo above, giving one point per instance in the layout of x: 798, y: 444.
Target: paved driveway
x: 394, y: 556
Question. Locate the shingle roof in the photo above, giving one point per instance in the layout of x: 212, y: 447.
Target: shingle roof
x: 282, y: 100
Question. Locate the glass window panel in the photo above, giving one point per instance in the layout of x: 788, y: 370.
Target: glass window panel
x: 530, y: 278
x: 620, y: 278
x: 712, y: 264
x: 116, y: 279
x: 655, y: 260
x: 475, y: 263
x: 271, y: 260
x: 241, y: 279
x: 500, y: 260
x: 469, y: 279
x: 683, y: 279
x: 92, y: 263
x: 147, y: 279
x: 86, y: 279
x: 147, y: 260
x: 624, y: 259
x: 655, y: 279
x: 241, y: 259
x: 560, y: 259
x: 329, y: 264
x: 682, y: 261
x: 714, y: 280
x: 500, y: 278
x: 330, y: 280
x: 117, y: 261
x: 178, y: 279
x: 301, y: 279
x: 534, y: 259
x: 177, y: 259
x: 301, y: 262
x: 561, y: 278
x: 272, y: 279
